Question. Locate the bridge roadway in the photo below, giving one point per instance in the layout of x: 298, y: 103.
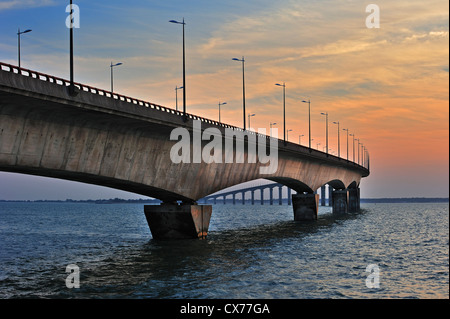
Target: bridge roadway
x: 108, y: 139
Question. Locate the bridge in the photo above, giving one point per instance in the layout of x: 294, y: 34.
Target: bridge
x: 226, y: 196
x: 108, y: 139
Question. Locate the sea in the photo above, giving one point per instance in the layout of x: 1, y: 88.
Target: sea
x: 70, y: 250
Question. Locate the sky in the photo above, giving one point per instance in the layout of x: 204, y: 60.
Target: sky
x: 388, y: 86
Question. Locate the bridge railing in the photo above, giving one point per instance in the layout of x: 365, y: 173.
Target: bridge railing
x: 134, y: 101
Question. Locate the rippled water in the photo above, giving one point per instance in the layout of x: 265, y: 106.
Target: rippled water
x: 251, y: 252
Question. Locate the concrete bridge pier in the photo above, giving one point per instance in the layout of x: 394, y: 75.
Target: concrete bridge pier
x: 306, y: 206
x: 280, y: 195
x: 353, y: 200
x: 330, y: 195
x: 340, y: 201
x: 322, y: 195
x: 178, y: 221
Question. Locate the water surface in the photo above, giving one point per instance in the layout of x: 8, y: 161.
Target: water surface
x: 251, y: 252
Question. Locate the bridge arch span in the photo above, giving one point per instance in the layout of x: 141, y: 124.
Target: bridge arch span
x: 336, y: 184
x: 292, y: 183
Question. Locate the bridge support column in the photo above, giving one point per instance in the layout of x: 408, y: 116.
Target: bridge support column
x: 353, y: 200
x: 306, y: 206
x: 172, y: 221
x: 322, y: 195
x: 340, y: 201
x: 330, y: 195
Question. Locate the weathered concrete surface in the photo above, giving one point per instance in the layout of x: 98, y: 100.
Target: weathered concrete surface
x: 340, y: 201
x: 353, y: 200
x: 171, y: 221
x: 101, y: 140
x: 306, y: 206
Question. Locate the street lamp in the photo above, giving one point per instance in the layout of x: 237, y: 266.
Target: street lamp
x: 72, y: 90
x: 219, y: 108
x: 363, y: 156
x: 243, y: 85
x: 362, y: 146
x: 271, y: 124
x: 18, y: 37
x: 184, y: 70
x: 287, y: 132
x: 353, y: 135
x: 357, y: 139
x: 284, y: 109
x: 112, y: 66
x: 176, y: 96
x: 326, y: 115
x: 300, y: 139
x: 346, y: 129
x: 309, y: 117
x: 339, y: 139
x: 250, y: 115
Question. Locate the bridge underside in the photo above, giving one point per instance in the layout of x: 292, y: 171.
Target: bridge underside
x: 44, y: 137
x: 111, y: 142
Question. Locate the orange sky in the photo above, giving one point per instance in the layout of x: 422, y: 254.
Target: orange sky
x: 388, y: 86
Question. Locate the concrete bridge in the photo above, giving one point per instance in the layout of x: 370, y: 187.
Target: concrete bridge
x: 227, y: 197
x: 107, y: 139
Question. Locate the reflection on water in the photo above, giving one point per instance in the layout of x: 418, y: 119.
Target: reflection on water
x: 251, y: 252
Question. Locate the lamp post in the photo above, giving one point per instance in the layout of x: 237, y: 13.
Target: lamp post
x: 249, y: 116
x: 300, y: 139
x: 339, y: 139
x: 72, y: 90
x: 284, y: 110
x: 184, y: 70
x: 357, y: 139
x: 362, y: 157
x: 243, y: 85
x: 353, y: 152
x: 287, y: 132
x: 112, y: 66
x: 271, y: 124
x: 326, y: 115
x: 18, y: 44
x: 219, y: 108
x: 176, y: 96
x: 309, y: 120
x: 346, y: 129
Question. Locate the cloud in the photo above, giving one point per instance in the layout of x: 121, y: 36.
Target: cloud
x: 429, y: 35
x: 19, y: 4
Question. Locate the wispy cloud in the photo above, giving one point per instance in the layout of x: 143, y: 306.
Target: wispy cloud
x: 20, y: 4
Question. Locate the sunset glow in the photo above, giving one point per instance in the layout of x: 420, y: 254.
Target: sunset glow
x: 389, y: 86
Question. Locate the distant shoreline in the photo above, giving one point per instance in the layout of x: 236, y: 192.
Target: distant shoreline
x: 156, y: 201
